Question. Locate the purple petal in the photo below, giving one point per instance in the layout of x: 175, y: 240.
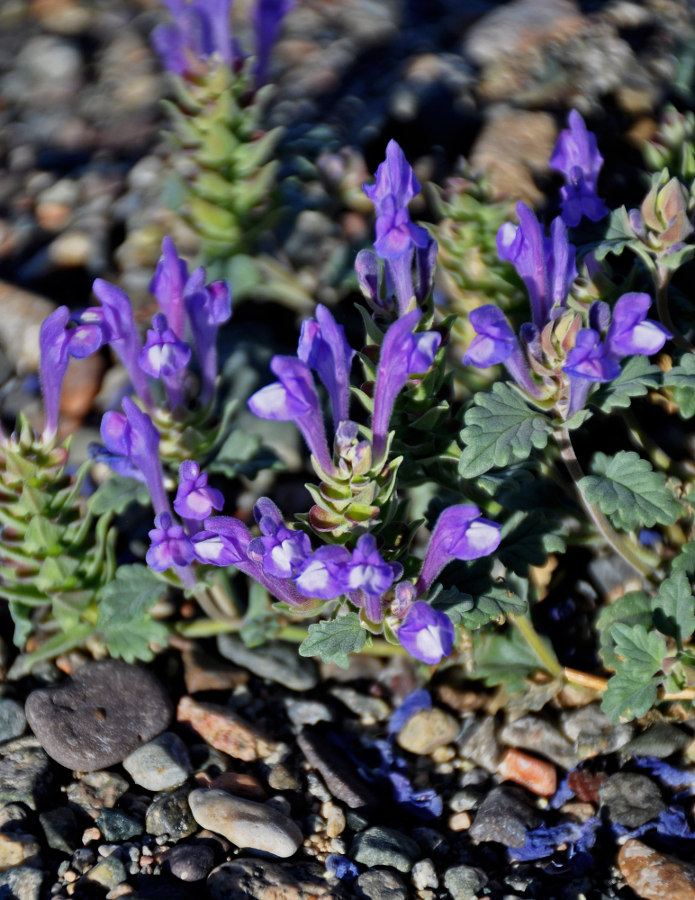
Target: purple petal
x: 427, y: 633
x: 54, y: 340
x: 325, y: 574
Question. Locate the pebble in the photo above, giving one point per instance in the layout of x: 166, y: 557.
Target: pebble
x: 335, y: 819
x: 224, y: 729
x: 250, y: 825
x: 280, y: 778
x: 161, y: 764
x: 22, y: 315
x: 539, y: 736
x: 26, y: 772
x: 108, y: 872
x: 60, y: 829
x: 381, y: 846
x: 537, y: 775
x: 17, y: 848
x: 204, y: 672
x: 307, y: 712
x: 478, y: 743
x: 21, y: 883
x: 504, y: 816
x: 424, y: 875
x: 464, y: 882
x: 241, y: 784
x: 170, y: 814
x: 12, y: 719
x: 100, y: 715
x: 275, y: 660
x: 116, y: 825
x: 94, y: 791
x: 428, y: 730
x: 660, y: 740
x: 653, y: 875
x: 631, y: 800
x: 460, y: 821
x: 381, y: 884
x: 339, y: 774
x: 261, y: 879
x: 593, y: 732
x: 369, y: 709
x: 191, y: 861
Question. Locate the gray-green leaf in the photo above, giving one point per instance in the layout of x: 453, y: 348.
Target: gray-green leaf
x: 682, y: 379
x: 124, y: 621
x: 335, y: 640
x: 642, y: 650
x: 627, y: 697
x: 674, y: 608
x: 637, y: 377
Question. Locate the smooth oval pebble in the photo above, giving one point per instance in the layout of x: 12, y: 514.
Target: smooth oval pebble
x: 159, y: 765
x: 253, y: 826
x: 100, y: 715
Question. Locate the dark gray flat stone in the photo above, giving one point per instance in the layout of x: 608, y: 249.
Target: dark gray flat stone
x: 100, y: 715
x: 632, y: 800
x: 504, y: 816
x: 336, y: 770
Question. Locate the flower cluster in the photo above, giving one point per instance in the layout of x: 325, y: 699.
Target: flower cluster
x: 576, y: 156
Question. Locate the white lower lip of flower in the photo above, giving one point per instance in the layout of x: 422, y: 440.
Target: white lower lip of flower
x: 313, y: 578
x: 210, y: 549
x: 429, y: 643
x: 480, y: 536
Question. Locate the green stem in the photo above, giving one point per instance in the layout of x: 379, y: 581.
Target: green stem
x: 643, y: 563
x: 536, y: 643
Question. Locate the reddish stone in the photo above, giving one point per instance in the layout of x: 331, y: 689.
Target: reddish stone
x: 586, y: 784
x: 537, y: 775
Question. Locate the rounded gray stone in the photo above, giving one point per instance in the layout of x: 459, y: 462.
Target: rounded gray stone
x: 250, y: 825
x: 12, y: 719
x: 275, y: 660
x: 160, y: 764
x: 170, y: 814
x: 189, y: 862
x: 100, y: 715
x: 379, y: 846
x: 381, y: 884
x: 632, y: 800
x: 464, y: 882
x: 21, y: 883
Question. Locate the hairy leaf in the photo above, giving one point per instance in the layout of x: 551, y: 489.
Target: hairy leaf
x: 637, y: 377
x: 674, y: 608
x: 527, y: 539
x: 627, y: 489
x: 682, y: 379
x: 500, y: 428
x: 116, y: 494
x: 335, y: 640
x: 473, y: 613
x: 124, y: 621
x: 627, y: 697
x: 643, y: 651
x: 506, y: 659
x: 634, y: 608
x: 685, y: 561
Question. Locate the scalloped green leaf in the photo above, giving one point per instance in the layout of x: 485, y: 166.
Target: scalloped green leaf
x: 500, y: 428
x: 637, y: 377
x: 629, y: 491
x: 528, y: 539
x: 682, y: 379
x: 124, y: 622
x: 334, y: 640
x: 674, y: 608
x: 627, y: 697
x: 633, y: 608
x: 643, y: 651
x: 116, y: 494
x: 685, y: 561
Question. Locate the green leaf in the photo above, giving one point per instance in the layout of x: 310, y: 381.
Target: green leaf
x: 685, y: 561
x: 642, y: 650
x: 528, y: 539
x: 23, y: 626
x: 682, y: 379
x: 42, y: 537
x: 500, y: 428
x: 472, y: 613
x: 674, y: 608
x: 335, y: 640
x: 124, y: 621
x: 634, y: 608
x: 627, y: 489
x: 618, y: 235
x: 627, y: 697
x: 116, y: 494
x: 242, y: 454
x: 259, y: 624
x: 505, y: 659
x: 637, y: 377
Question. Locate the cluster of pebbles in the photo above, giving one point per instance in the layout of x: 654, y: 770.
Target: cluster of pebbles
x: 251, y: 775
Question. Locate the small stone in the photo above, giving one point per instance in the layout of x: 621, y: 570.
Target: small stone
x: 428, y: 730
x: 280, y: 778
x: 26, y: 772
x: 539, y: 736
x: 189, y: 862
x: 224, y: 729
x: 380, y: 846
x: 118, y: 826
x: 94, y: 791
x: 60, y: 828
x: 307, y: 712
x: 74, y: 250
x: 381, y: 884
x: 204, y: 672
x: 241, y: 784
x: 593, y: 732
x: 275, y: 660
x: 660, y: 740
x: 504, y: 816
x: 460, y: 821
x: 12, y: 719
x: 21, y: 883
x: 631, y: 800
x: 464, y: 882
x: 170, y: 814
x: 100, y: 715
x: 22, y: 315
x: 424, y: 875
x: 108, y: 872
x: 335, y: 819
x: 159, y: 765
x: 341, y: 778
x: 369, y: 709
x: 264, y: 879
x: 653, y: 875
x: 478, y: 743
x: 535, y: 774
x: 253, y: 826
x: 17, y: 848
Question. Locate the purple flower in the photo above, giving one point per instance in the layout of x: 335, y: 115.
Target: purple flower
x: 402, y: 354
x: 170, y: 545
x: 324, y: 348
x: 395, y: 233
x: 416, y: 701
x: 132, y: 435
x: 194, y: 498
x: 208, y: 307
x: 325, y: 573
x: 167, y: 286
x: 545, y: 265
x: 370, y: 574
x: 394, y: 178
x: 200, y: 29
x: 90, y: 332
x: 280, y: 550
x: 460, y: 533
x: 631, y: 332
x: 427, y: 633
x: 590, y: 359
x: 54, y: 341
x: 267, y: 19
x: 576, y: 156
x: 164, y: 354
x: 495, y: 340
x: 293, y: 398
x: 122, y: 334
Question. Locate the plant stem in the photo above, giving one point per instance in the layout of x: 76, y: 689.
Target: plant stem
x: 644, y: 564
x: 537, y: 644
x: 595, y: 682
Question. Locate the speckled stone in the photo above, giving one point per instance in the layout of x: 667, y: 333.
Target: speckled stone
x: 275, y: 660
x: 26, y: 772
x: 655, y: 876
x: 170, y: 814
x: 631, y: 799
x: 159, y: 765
x: 21, y: 883
x: 116, y: 825
x: 100, y: 715
x: 264, y: 879
x: 380, y: 884
x: 504, y: 816
x: 428, y: 730
x: 189, y: 861
x: 379, y: 846
x: 12, y: 719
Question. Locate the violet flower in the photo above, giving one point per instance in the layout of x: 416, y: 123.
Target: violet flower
x: 165, y: 356
x: 208, y: 307
x: 545, y: 265
x: 324, y: 348
x: 267, y: 19
x: 370, y: 574
x: 577, y: 157
x: 325, y: 573
x: 293, y: 399
x: 90, y: 333
x: 402, y: 354
x: 171, y: 547
x: 427, y: 633
x: 495, y: 340
x: 195, y: 499
x: 460, y: 533
x: 281, y: 551
x: 199, y: 30
x: 168, y: 284
x: 631, y: 332
x: 54, y: 341
x: 588, y: 362
x: 133, y: 436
